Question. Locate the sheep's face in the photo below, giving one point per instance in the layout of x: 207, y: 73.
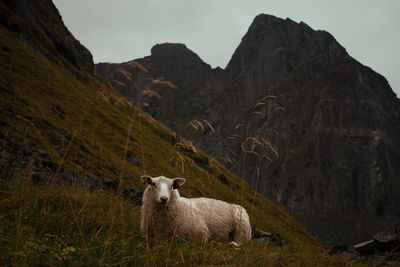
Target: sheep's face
x: 162, y: 187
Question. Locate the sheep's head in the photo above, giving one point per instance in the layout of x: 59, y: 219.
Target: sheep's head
x: 162, y: 187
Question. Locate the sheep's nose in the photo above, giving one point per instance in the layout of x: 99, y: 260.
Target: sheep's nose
x: 163, y: 199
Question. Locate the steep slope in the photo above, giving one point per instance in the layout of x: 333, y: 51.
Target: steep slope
x: 39, y: 24
x: 69, y: 148
x: 302, y: 121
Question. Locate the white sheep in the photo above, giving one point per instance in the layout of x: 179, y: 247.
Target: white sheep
x: 166, y: 214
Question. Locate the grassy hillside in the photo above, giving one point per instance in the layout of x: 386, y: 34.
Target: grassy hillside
x: 69, y: 150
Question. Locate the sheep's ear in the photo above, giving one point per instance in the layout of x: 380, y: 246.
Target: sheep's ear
x: 146, y: 179
x: 178, y: 182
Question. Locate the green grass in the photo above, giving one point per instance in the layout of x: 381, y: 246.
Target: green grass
x: 71, y: 226
x: 87, y: 128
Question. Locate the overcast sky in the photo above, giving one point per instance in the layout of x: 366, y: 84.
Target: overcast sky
x: 122, y: 30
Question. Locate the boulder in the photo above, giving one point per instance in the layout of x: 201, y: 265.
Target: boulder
x: 274, y: 239
x: 365, y: 248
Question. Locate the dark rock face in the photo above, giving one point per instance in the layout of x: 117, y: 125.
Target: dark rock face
x: 40, y: 25
x: 163, y: 83
x: 305, y: 123
x: 180, y: 65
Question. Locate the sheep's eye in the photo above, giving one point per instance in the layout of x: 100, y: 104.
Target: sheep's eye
x: 153, y: 184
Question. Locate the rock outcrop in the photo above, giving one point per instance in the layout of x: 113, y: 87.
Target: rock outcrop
x: 305, y: 123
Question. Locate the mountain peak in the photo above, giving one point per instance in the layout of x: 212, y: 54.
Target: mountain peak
x: 170, y: 46
x: 168, y: 51
x: 267, y: 18
x: 282, y: 45
x: 179, y: 64
x: 264, y: 21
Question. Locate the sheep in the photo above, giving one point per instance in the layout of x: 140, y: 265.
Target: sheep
x: 165, y: 214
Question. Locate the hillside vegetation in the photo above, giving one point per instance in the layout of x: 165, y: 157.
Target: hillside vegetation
x: 72, y: 151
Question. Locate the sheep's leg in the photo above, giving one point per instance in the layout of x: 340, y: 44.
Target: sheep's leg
x: 233, y: 244
x: 242, y: 229
x: 144, y: 226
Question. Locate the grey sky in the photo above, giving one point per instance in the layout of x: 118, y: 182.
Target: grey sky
x: 122, y: 30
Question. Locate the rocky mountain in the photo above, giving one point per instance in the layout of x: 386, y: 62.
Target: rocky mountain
x: 39, y: 23
x: 72, y: 151
x: 305, y: 123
